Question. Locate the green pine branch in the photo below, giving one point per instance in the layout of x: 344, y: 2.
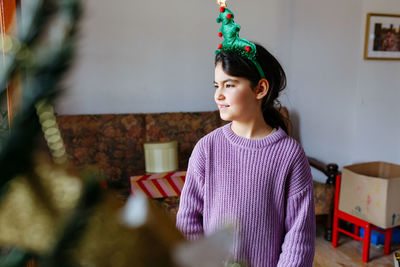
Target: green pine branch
x: 3, y: 125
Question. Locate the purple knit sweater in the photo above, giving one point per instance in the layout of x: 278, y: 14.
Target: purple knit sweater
x: 262, y: 185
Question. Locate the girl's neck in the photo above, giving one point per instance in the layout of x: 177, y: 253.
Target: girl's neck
x: 255, y: 128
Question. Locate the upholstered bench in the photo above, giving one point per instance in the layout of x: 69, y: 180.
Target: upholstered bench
x: 114, y: 142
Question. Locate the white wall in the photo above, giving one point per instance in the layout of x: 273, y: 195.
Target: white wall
x: 146, y: 56
x: 323, y: 78
x: 157, y: 56
x: 377, y: 121
x: 345, y: 107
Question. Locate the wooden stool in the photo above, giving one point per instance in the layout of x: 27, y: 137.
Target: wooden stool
x: 368, y: 227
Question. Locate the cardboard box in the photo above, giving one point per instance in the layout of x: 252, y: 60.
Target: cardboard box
x: 159, y: 185
x: 371, y: 191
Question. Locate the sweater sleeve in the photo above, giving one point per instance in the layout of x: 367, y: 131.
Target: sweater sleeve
x: 190, y: 214
x: 299, y: 241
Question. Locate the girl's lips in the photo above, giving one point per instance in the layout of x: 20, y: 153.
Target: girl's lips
x: 223, y: 106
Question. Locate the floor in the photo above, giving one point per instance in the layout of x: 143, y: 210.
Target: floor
x: 348, y: 253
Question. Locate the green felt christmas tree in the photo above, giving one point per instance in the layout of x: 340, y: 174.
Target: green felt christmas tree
x: 232, y: 42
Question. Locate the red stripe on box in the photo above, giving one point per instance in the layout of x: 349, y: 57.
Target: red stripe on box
x: 174, y: 186
x: 144, y: 189
x: 144, y: 177
x: 160, y: 188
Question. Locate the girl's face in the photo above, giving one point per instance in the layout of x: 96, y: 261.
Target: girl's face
x: 234, y: 96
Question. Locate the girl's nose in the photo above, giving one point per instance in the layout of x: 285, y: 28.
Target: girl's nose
x: 219, y: 95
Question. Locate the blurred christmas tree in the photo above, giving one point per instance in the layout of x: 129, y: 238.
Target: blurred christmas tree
x: 41, y: 55
x: 49, y: 212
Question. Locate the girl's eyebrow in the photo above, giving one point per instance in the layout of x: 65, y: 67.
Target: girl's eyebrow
x: 228, y: 80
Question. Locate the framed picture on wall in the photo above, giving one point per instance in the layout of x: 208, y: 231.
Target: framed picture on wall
x: 382, y: 37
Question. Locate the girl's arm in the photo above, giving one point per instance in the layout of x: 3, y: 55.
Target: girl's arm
x: 190, y: 214
x: 299, y: 242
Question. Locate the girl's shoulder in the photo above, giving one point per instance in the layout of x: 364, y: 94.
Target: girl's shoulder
x: 293, y: 145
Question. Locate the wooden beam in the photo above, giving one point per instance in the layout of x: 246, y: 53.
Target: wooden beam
x: 8, y: 23
x: 8, y: 10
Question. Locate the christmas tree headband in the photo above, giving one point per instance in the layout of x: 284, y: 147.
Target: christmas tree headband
x: 232, y: 42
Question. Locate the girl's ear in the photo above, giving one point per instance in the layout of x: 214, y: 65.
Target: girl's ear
x: 262, y: 88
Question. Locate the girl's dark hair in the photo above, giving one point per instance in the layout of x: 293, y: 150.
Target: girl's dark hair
x: 238, y: 66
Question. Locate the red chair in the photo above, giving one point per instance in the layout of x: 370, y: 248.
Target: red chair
x: 368, y: 227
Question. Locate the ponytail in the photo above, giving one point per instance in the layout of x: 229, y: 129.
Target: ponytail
x: 274, y: 117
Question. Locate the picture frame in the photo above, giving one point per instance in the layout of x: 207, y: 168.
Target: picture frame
x: 382, y: 37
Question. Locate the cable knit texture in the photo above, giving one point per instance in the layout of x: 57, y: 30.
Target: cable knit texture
x: 261, y: 186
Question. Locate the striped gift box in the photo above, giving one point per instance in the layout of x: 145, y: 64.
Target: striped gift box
x: 159, y: 185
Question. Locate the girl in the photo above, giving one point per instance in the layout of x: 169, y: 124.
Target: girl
x: 250, y: 171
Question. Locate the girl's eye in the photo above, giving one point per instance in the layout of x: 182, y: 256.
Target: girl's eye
x: 229, y: 85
